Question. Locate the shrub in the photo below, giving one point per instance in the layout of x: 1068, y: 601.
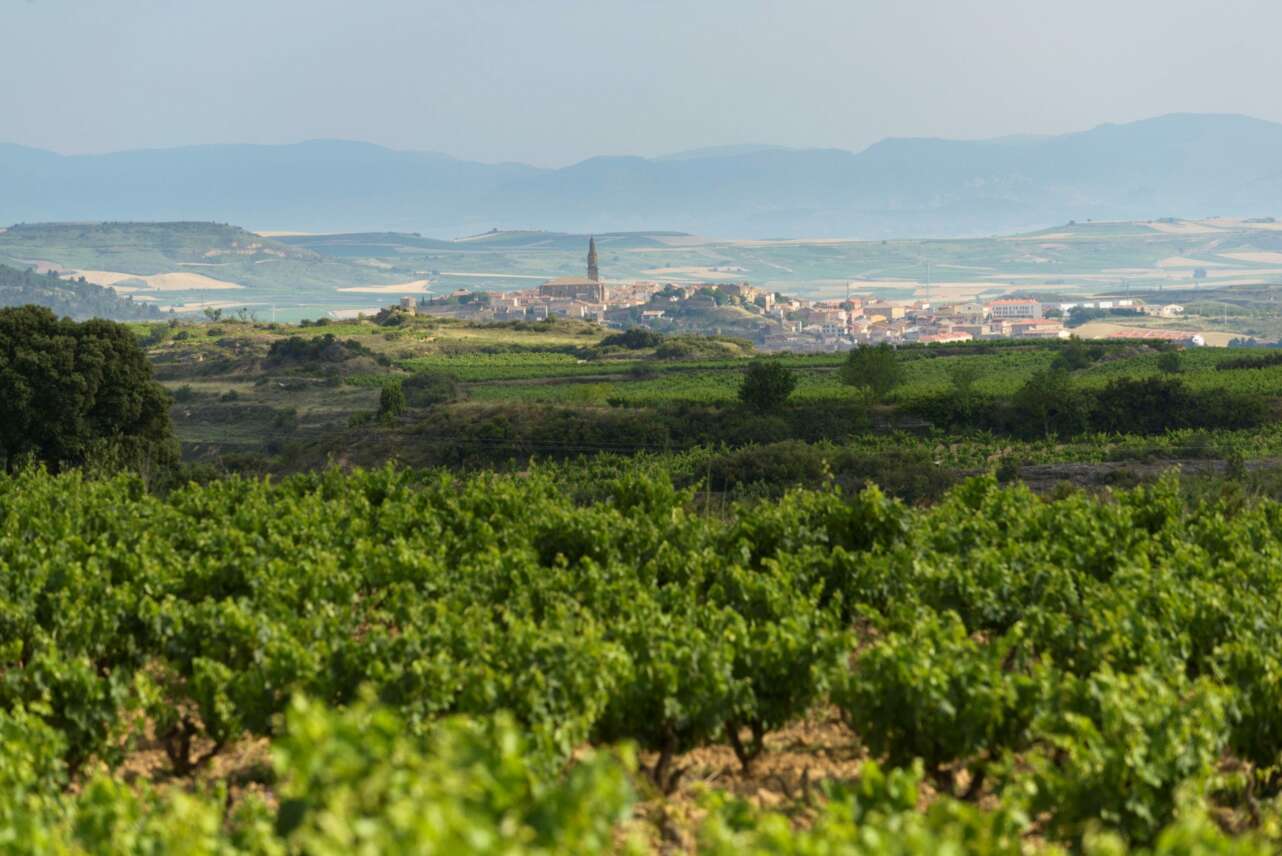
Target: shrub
x: 1143, y: 406
x: 326, y: 348
x: 1116, y: 748
x: 428, y: 388
x: 632, y: 339
x: 934, y: 693
x: 391, y: 400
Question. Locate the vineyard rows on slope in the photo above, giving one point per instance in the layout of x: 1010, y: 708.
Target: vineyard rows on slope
x: 1081, y: 668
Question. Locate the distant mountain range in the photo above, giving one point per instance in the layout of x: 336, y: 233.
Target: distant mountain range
x: 1182, y: 165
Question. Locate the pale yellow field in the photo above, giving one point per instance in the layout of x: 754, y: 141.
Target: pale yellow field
x: 1185, y: 262
x: 183, y: 281
x: 1237, y: 223
x: 104, y: 277
x: 496, y: 275
x: 1105, y: 330
x: 1260, y: 257
x: 1053, y: 236
x: 1184, y: 227
x: 418, y: 286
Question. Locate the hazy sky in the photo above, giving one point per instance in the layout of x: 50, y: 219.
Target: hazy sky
x: 554, y: 81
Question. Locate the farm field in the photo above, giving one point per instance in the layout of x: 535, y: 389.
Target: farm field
x: 501, y: 394
x: 633, y: 672
x: 421, y: 583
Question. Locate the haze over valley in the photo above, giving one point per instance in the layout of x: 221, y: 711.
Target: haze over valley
x: 1185, y: 165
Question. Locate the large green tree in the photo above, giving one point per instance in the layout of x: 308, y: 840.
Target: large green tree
x: 1049, y: 405
x: 766, y: 386
x: 72, y: 391
x: 874, y: 368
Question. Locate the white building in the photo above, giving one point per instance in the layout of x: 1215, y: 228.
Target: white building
x: 1002, y: 310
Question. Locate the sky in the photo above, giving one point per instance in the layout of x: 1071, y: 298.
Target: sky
x: 551, y: 82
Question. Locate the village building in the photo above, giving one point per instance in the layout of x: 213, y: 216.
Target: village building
x: 887, y: 311
x: 1001, y: 310
x: 588, y: 289
x: 573, y: 288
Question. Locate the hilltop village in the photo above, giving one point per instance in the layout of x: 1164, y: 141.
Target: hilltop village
x: 778, y: 322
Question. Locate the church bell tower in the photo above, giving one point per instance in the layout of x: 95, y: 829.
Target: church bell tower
x: 594, y: 273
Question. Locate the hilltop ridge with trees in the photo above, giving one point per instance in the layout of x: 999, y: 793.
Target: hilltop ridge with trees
x: 74, y: 298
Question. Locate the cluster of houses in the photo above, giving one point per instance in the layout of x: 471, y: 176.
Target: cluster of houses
x: 783, y: 323
x: 776, y: 321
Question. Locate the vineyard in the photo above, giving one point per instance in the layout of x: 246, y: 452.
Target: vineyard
x: 392, y: 661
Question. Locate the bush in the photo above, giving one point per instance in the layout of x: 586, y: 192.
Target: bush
x: 1143, y: 406
x: 429, y: 388
x: 633, y: 339
x: 357, y: 781
x: 934, y: 693
x: 1116, y: 748
x: 391, y: 400
x: 326, y: 348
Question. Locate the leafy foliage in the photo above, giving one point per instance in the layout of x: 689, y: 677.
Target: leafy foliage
x: 75, y: 390
x: 1105, y: 667
x: 766, y: 386
x: 875, y: 368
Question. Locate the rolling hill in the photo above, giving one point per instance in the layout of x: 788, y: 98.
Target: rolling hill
x: 1184, y: 165
x: 76, y: 299
x: 191, y: 265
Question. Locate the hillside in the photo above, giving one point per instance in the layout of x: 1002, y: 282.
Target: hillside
x: 191, y: 265
x: 73, y: 298
x: 1178, y: 165
x: 1078, y: 257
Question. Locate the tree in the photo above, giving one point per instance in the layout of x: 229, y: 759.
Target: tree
x: 73, y: 391
x: 1145, y: 405
x: 874, y: 368
x: 963, y: 376
x: 766, y: 386
x: 1048, y: 405
x: 391, y: 401
x: 1169, y: 362
x: 1074, y: 355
